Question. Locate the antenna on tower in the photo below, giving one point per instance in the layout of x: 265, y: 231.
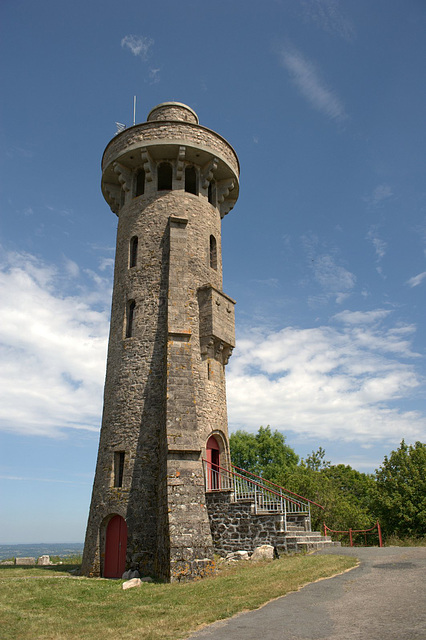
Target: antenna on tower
x: 134, y: 110
x: 120, y: 127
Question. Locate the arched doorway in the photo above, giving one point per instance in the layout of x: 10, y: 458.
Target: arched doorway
x: 115, y: 548
x: 213, y: 464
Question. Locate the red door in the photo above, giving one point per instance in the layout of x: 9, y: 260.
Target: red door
x: 115, y: 548
x: 213, y: 463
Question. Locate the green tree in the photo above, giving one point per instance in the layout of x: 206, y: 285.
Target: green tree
x: 264, y: 453
x: 401, y: 491
x: 341, y: 509
x: 316, y: 460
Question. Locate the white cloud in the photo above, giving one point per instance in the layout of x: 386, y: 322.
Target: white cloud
x: 380, y: 193
x: 416, y: 280
x: 154, y: 75
x: 307, y: 78
x: 380, y: 246
x: 335, y: 280
x: 52, y: 347
x: 138, y: 45
x: 327, y: 15
x: 331, y: 382
x: 362, y: 317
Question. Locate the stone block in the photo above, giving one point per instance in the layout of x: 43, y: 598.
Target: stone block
x: 25, y: 561
x: 264, y: 552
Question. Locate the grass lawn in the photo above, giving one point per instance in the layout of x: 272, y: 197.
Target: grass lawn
x: 47, y: 603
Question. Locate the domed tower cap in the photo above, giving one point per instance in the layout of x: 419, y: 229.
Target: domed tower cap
x: 173, y: 111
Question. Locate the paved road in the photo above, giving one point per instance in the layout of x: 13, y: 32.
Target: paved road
x: 383, y: 599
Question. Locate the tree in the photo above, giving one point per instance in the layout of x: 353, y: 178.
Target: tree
x: 316, y: 460
x: 325, y: 487
x: 264, y: 453
x: 401, y: 487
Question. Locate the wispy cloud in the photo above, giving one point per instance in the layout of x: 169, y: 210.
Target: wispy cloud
x: 307, y: 78
x: 380, y: 193
x: 337, y: 382
x: 334, y: 279
x: 416, y: 280
x: 138, y: 45
x: 154, y: 75
x: 328, y: 15
x: 380, y: 247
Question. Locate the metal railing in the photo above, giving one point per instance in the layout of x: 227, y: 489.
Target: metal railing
x: 267, y: 497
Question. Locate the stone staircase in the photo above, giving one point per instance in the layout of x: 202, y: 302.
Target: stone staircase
x: 296, y: 540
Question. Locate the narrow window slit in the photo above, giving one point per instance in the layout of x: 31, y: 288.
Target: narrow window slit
x: 213, y: 252
x: 130, y: 317
x: 133, y: 252
x: 118, y: 468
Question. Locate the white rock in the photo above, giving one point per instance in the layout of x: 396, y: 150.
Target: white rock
x: 264, y: 552
x: 134, y: 582
x: 233, y: 556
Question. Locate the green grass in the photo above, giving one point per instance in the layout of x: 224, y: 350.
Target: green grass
x: 47, y: 603
x: 394, y: 541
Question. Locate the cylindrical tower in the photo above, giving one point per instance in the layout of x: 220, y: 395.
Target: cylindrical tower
x: 170, y: 181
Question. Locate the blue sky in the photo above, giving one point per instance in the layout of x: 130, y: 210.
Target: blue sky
x: 325, y: 252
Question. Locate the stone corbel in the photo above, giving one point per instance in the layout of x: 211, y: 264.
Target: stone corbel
x: 113, y: 193
x: 180, y: 165
x: 125, y: 176
x: 147, y: 164
x: 226, y: 207
x: 208, y: 171
x: 215, y: 349
x: 223, y: 190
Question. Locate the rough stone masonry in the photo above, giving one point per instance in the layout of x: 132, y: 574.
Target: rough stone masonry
x: 170, y: 181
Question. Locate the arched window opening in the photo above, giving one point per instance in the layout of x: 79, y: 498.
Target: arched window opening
x: 140, y: 183
x: 164, y: 177
x: 213, y: 253
x: 212, y: 193
x: 131, y: 305
x: 118, y: 468
x: 213, y: 464
x: 133, y: 257
x: 191, y: 180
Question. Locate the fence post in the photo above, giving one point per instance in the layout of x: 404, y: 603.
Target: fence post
x: 380, y: 534
x: 350, y: 538
x: 325, y: 530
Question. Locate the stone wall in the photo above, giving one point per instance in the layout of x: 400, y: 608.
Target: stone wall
x: 235, y: 527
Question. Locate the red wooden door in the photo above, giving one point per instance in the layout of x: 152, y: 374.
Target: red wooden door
x: 213, y: 463
x: 115, y: 548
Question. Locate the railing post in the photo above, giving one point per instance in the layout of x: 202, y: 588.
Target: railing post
x: 255, y: 498
x: 325, y: 530
x: 350, y: 538
x: 380, y: 534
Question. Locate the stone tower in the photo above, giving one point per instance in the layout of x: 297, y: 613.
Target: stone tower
x: 170, y: 181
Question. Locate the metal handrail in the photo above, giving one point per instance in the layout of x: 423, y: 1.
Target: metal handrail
x: 278, y: 486
x: 265, y: 499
